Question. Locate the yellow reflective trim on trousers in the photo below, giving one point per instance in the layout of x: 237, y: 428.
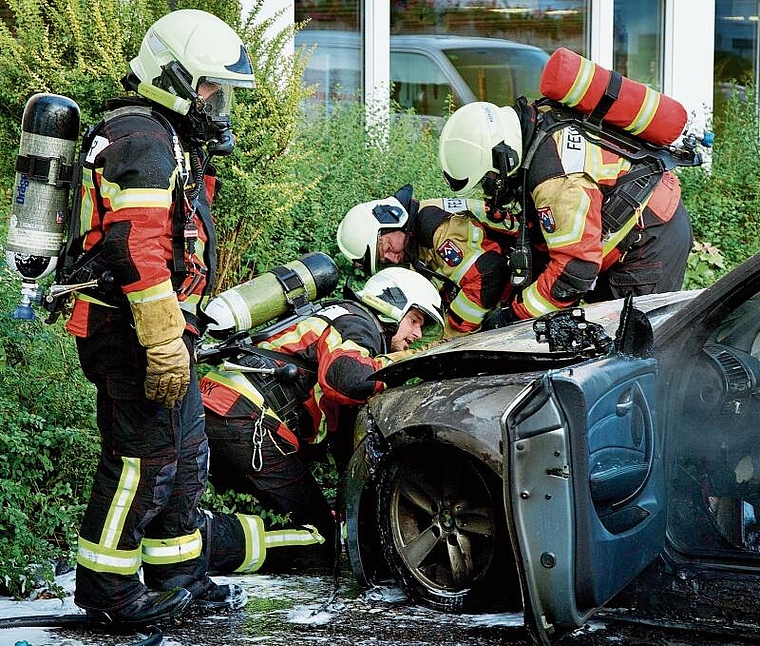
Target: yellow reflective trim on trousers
x: 165, y: 551
x: 255, y: 547
x: 102, y: 559
x: 121, y: 502
x: 646, y: 112
x: 580, y: 84
x: 285, y: 537
x: 536, y: 304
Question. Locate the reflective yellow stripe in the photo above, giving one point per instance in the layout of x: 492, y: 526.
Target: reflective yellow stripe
x: 322, y: 430
x: 103, y: 559
x: 311, y: 324
x: 613, y: 241
x: 255, y: 547
x: 165, y: 551
x: 90, y: 299
x: 154, y: 293
x: 580, y: 84
x: 646, y: 113
x: 466, y: 309
x: 564, y: 237
x: 237, y: 381
x: 159, y: 198
x: 121, y: 502
x: 536, y: 304
x: 284, y: 537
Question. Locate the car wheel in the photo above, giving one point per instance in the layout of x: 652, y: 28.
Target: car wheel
x: 442, y: 531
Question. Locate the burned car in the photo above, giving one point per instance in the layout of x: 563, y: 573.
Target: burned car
x: 600, y: 456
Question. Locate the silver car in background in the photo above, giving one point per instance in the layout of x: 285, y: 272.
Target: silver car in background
x: 431, y: 73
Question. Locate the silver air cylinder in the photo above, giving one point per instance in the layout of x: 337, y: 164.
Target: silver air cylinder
x: 40, y: 200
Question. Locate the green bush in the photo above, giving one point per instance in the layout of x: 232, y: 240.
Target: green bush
x: 724, y: 199
x: 48, y: 447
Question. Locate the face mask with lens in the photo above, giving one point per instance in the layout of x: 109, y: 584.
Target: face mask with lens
x: 501, y: 189
x: 218, y: 128
x: 209, y: 118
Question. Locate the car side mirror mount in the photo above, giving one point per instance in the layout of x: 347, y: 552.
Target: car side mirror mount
x: 634, y: 335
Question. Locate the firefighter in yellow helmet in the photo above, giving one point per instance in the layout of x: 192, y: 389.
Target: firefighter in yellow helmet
x: 144, y: 219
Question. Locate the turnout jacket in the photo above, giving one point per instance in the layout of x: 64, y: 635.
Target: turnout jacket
x: 567, y: 181
x: 466, y: 253
x: 336, y: 350
x: 128, y: 212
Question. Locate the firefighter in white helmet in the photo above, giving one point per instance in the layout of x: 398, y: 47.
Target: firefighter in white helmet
x: 593, y: 224
x: 262, y: 428
x: 144, y: 219
x: 449, y: 240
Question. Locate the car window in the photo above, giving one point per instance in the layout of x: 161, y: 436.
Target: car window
x: 335, y: 73
x: 419, y: 83
x: 715, y: 494
x: 499, y: 75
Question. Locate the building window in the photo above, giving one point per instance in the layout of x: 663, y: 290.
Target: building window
x: 443, y: 53
x: 547, y: 24
x: 736, y: 48
x: 638, y: 42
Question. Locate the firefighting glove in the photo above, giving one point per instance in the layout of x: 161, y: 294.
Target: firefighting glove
x: 159, y: 325
x: 497, y: 318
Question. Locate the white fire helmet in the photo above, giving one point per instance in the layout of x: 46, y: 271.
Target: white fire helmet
x: 393, y: 291
x: 204, y: 49
x: 467, y: 142
x: 361, y: 227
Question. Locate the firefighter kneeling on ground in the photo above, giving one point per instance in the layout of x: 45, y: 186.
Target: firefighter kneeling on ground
x: 259, y: 428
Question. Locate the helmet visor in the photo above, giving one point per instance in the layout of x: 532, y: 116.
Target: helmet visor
x: 455, y: 185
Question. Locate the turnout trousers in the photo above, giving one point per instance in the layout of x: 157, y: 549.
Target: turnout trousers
x: 143, y: 508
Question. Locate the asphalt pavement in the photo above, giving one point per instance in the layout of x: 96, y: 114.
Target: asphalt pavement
x: 304, y: 610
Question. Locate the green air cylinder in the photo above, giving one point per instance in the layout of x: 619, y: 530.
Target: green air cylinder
x: 265, y: 297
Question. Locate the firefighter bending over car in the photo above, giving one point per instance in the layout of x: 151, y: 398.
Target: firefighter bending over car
x: 591, y: 236
x: 449, y: 240
x: 143, y: 219
x: 260, y: 427
x: 571, y: 212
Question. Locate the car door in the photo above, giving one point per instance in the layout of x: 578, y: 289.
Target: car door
x: 584, y: 487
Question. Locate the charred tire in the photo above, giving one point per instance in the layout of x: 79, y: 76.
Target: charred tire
x: 440, y: 516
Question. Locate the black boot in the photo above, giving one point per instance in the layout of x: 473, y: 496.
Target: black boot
x: 150, y: 607
x: 222, y: 597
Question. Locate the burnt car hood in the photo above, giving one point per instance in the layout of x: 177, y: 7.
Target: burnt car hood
x: 514, y: 348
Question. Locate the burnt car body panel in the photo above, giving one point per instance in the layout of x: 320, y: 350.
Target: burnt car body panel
x: 644, y: 463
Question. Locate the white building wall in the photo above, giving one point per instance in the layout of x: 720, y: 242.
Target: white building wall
x: 690, y: 55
